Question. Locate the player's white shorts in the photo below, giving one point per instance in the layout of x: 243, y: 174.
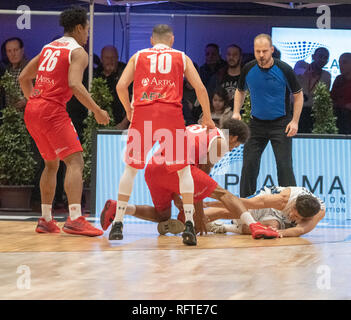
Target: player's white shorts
x: 261, y: 215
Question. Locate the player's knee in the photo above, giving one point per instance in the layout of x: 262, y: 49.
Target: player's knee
x: 52, y: 166
x: 75, y: 160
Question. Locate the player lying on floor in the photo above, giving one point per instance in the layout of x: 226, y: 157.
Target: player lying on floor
x: 164, y: 188
x: 292, y: 211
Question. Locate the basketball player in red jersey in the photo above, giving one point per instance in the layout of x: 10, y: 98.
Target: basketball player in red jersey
x: 208, y: 147
x: 58, y: 71
x: 156, y: 114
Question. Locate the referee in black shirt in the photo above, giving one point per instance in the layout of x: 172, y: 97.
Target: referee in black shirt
x: 270, y: 82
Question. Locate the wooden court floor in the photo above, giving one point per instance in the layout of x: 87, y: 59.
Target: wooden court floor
x: 145, y: 265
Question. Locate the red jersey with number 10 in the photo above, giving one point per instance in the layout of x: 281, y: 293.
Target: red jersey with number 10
x: 52, y: 77
x: 158, y: 76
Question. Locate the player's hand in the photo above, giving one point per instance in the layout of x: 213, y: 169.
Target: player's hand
x: 178, y: 203
x: 200, y: 224
x: 102, y: 117
x: 280, y: 233
x: 236, y: 116
x: 129, y: 115
x: 291, y: 128
x: 208, y: 123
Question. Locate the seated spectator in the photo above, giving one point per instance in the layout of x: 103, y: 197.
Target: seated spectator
x: 212, y: 64
x: 191, y: 106
x: 228, y: 76
x: 313, y: 74
x: 14, y: 50
x: 341, y: 94
x: 276, y: 54
x: 300, y: 67
x: 220, y: 109
x: 111, y: 69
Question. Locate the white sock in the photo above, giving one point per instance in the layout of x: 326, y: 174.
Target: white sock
x: 75, y: 211
x: 189, y: 212
x: 247, y: 218
x: 46, y: 212
x: 131, y: 208
x: 236, y: 227
x: 121, y: 208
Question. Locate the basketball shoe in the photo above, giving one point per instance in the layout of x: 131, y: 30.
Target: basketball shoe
x: 116, y: 232
x: 215, y: 227
x: 171, y: 225
x: 108, y: 214
x: 47, y: 226
x: 81, y: 226
x: 189, y: 236
x: 259, y: 231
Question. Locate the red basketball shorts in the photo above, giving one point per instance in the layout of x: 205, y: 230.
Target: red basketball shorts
x: 162, y: 184
x: 157, y: 122
x: 52, y: 129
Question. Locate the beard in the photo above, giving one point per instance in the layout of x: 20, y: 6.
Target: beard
x: 234, y: 64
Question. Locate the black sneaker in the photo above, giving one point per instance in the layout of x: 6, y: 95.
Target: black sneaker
x: 189, y: 236
x: 116, y: 232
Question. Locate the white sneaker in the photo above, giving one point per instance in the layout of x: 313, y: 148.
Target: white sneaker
x: 216, y: 227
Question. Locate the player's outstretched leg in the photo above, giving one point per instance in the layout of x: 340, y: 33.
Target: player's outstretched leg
x: 124, y: 192
x: 186, y: 188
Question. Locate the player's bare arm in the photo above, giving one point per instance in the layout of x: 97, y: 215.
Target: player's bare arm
x: 201, y: 93
x: 274, y: 201
x: 303, y: 227
x: 293, y: 125
x: 27, y: 75
x: 239, y: 98
x: 200, y: 218
x: 232, y: 203
x: 123, y: 85
x: 79, y: 62
x: 216, y: 152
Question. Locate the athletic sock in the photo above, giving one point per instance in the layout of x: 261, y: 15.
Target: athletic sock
x: 75, y: 211
x: 121, y: 208
x: 130, y: 209
x: 189, y: 212
x: 46, y: 212
x: 247, y: 218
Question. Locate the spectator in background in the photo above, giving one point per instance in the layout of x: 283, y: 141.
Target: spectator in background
x: 341, y: 94
x: 276, y: 53
x: 213, y: 63
x: 300, y: 67
x: 14, y: 50
x: 227, y: 77
x: 191, y: 106
x: 111, y: 69
x: 220, y: 108
x: 308, y: 80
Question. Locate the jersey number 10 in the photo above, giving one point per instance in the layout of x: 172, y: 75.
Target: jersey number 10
x: 50, y: 60
x: 163, y: 63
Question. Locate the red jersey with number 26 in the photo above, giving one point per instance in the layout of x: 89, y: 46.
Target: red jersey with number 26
x: 52, y: 77
x: 158, y: 76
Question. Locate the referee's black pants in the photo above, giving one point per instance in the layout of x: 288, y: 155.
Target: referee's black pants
x: 263, y: 131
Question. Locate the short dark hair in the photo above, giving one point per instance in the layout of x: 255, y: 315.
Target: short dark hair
x: 20, y: 41
x: 73, y: 17
x: 237, y: 47
x: 237, y: 128
x: 307, y: 206
x: 160, y: 30
x: 213, y: 45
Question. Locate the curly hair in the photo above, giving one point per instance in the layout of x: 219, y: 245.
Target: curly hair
x: 73, y: 17
x: 307, y: 206
x: 237, y: 128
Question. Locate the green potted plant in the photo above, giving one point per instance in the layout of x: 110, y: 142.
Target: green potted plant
x: 246, y: 115
x: 322, y: 111
x: 17, y: 165
x: 102, y: 96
